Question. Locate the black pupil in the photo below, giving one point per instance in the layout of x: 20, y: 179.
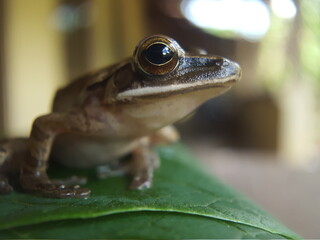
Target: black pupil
x: 158, y: 53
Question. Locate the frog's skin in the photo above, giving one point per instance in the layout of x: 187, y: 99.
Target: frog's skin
x: 122, y: 109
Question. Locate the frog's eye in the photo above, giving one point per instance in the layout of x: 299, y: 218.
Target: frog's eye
x: 157, y: 55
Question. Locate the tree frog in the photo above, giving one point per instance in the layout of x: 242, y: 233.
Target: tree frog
x: 122, y: 109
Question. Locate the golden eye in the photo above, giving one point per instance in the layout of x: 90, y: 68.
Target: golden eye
x: 157, y: 55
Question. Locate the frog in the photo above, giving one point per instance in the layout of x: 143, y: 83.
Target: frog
x: 125, y: 109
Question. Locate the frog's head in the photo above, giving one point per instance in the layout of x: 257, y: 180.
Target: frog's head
x: 163, y: 78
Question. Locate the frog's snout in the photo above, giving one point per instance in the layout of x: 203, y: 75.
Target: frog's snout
x: 239, y: 71
x: 233, y: 69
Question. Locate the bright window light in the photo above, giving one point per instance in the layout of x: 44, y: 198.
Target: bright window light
x: 284, y: 8
x: 245, y: 18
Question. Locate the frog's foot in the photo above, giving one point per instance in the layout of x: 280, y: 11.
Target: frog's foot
x: 60, y: 191
x: 5, y: 187
x: 45, y: 187
x: 144, y: 162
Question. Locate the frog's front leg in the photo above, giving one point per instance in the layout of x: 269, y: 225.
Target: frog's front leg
x: 143, y: 163
x: 145, y: 160
x: 33, y: 176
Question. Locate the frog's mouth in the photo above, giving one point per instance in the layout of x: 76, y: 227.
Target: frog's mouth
x: 164, y: 91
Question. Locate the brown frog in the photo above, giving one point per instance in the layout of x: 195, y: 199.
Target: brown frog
x: 125, y: 108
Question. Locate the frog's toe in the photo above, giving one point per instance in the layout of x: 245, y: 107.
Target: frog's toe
x: 72, y: 192
x: 42, y: 185
x: 63, y: 191
x: 141, y: 180
x: 5, y: 187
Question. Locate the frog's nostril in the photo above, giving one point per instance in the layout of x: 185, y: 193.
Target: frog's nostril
x: 227, y: 63
x: 219, y: 62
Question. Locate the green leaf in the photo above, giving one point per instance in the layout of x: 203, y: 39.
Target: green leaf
x: 183, y: 198
x: 143, y: 225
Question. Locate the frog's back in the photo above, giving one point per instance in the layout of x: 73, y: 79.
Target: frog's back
x: 72, y: 95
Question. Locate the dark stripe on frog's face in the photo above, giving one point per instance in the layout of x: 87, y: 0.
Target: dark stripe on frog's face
x: 176, y: 73
x: 192, y: 73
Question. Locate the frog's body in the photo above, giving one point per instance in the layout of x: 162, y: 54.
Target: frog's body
x: 126, y: 108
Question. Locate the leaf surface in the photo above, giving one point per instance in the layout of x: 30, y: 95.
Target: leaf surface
x: 140, y: 225
x: 181, y: 190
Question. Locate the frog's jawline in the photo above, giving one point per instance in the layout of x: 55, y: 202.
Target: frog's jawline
x: 151, y: 91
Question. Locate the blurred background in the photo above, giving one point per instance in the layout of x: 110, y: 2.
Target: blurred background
x: 262, y: 137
